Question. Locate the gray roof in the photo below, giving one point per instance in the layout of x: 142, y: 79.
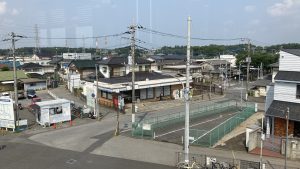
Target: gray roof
x: 279, y: 108
x: 292, y: 51
x: 119, y: 61
x: 217, y: 62
x: 261, y: 83
x: 139, y: 76
x: 288, y: 76
x: 174, y: 57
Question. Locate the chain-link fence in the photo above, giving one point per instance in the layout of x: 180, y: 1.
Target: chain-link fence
x: 146, y: 127
x: 211, y: 137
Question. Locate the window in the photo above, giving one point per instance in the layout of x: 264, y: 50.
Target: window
x: 55, y: 110
x: 298, y: 92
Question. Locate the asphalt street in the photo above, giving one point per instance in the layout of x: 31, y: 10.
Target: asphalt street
x: 173, y: 133
x: 35, y: 156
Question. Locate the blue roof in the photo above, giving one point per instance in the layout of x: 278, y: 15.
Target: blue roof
x: 10, y: 63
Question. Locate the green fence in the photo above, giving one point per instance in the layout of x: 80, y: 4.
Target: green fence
x: 209, y: 138
x: 146, y: 127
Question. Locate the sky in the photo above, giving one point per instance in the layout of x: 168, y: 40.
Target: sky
x: 265, y: 22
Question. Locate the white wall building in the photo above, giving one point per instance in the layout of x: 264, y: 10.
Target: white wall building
x: 77, y: 56
x: 229, y: 58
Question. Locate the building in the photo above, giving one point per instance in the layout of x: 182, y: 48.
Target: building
x: 34, y: 84
x: 284, y: 93
x: 7, y: 80
x: 82, y: 67
x: 229, y: 58
x: 77, y: 56
x: 149, y: 85
x: 35, y: 68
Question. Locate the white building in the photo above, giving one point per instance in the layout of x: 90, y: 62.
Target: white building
x: 229, y: 58
x: 77, y: 56
x: 52, y: 111
x: 284, y: 94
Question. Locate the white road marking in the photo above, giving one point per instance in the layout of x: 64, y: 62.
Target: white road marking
x: 221, y: 116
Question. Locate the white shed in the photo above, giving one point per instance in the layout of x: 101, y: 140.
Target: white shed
x: 53, y: 111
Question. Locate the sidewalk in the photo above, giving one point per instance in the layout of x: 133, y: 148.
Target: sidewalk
x: 152, y: 106
x: 165, y: 153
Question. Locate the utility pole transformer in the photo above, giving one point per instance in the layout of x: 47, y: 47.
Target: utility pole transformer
x: 132, y: 32
x: 187, y: 96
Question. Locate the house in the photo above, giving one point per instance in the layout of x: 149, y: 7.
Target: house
x: 35, y: 68
x: 34, y: 84
x: 82, y: 67
x: 284, y: 93
x: 37, y: 60
x: 149, y: 85
x: 259, y: 87
x: 118, y: 66
x: 229, y: 58
x: 7, y: 80
x: 157, y: 62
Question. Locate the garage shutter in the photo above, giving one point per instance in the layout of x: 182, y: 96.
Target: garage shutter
x: 166, y: 90
x: 150, y: 93
x: 143, y: 94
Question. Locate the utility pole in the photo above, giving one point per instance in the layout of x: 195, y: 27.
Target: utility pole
x: 287, y: 115
x: 248, y: 60
x: 187, y: 97
x: 13, y: 39
x: 96, y: 97
x: 132, y: 32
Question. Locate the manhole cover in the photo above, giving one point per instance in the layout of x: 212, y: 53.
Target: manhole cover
x: 71, y: 161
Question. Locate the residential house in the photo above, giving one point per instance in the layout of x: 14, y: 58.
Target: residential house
x: 37, y: 69
x: 7, y: 80
x: 82, y: 67
x: 284, y: 95
x: 149, y: 85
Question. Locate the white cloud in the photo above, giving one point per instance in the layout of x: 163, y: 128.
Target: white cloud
x: 14, y: 12
x: 284, y: 8
x: 2, y: 7
x: 249, y: 8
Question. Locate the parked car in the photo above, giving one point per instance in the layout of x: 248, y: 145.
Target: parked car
x: 12, y: 94
x: 31, y: 94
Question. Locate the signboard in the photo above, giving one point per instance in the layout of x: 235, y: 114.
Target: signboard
x: 90, y: 100
x: 6, y: 109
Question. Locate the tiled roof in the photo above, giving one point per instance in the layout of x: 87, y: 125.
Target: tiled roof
x: 139, y: 76
x: 31, y: 65
x: 279, y: 108
x: 83, y: 64
x: 292, y: 51
x: 122, y: 61
x: 288, y: 76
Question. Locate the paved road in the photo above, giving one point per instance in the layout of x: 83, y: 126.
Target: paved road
x: 34, y: 156
x: 198, y: 127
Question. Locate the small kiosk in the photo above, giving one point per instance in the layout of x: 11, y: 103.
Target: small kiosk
x: 52, y: 111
